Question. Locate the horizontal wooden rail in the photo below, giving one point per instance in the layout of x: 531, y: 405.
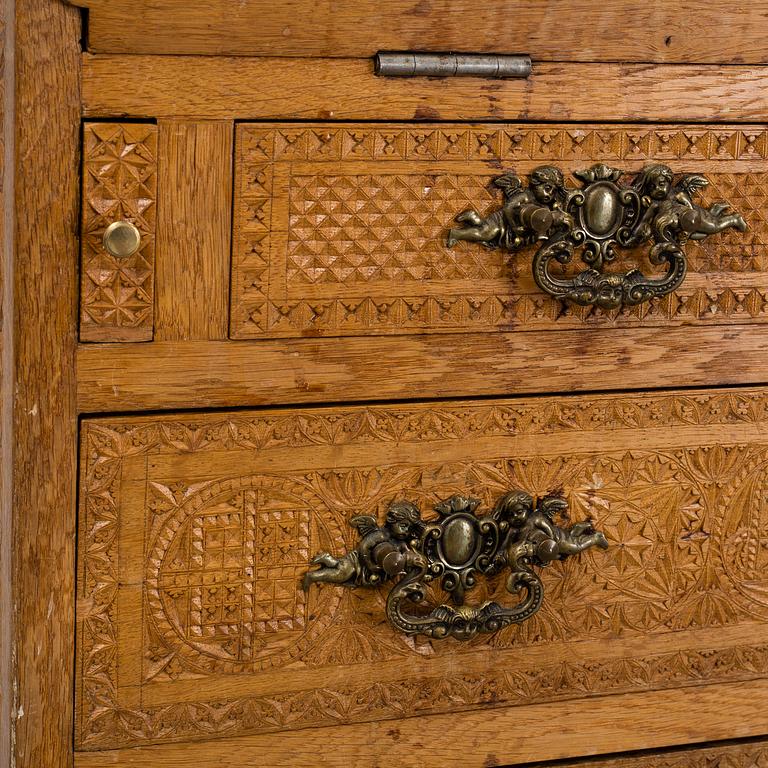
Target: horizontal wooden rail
x: 347, y: 89
x: 219, y: 374
x: 480, y: 739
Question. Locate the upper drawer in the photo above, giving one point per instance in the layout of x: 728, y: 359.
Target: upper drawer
x: 342, y: 229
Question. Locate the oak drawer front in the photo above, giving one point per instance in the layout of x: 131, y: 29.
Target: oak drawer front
x: 341, y: 229
x: 195, y: 530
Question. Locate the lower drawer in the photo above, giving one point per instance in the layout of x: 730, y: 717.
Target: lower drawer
x: 195, y: 531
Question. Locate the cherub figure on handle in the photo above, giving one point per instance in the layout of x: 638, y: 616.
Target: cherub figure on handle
x: 382, y: 553
x: 528, y: 214
x: 669, y: 213
x: 535, y: 538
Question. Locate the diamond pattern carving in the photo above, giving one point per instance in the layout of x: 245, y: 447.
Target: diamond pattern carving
x: 119, y: 182
x: 222, y: 574
x: 365, y: 229
x: 341, y: 230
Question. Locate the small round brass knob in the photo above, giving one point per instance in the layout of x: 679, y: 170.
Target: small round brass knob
x: 121, y: 239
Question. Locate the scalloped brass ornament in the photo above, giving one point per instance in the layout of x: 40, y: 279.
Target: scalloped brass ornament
x: 519, y: 533
x: 605, y: 214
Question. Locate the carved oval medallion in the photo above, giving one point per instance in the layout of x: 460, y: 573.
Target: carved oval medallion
x: 602, y: 211
x: 459, y: 541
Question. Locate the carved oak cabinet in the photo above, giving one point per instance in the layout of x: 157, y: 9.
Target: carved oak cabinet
x: 373, y: 420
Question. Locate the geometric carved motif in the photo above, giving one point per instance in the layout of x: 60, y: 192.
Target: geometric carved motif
x: 222, y: 569
x: 341, y: 230
x: 194, y: 532
x: 746, y: 543
x: 119, y: 182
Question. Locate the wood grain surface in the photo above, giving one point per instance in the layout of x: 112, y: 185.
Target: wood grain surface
x: 46, y: 136
x: 195, y: 531
x: 341, y: 230
x: 563, y: 30
x: 481, y: 739
x: 194, y: 225
x: 346, y: 89
x: 746, y: 754
x: 193, y: 367
x: 119, y: 183
x: 188, y: 375
x: 7, y: 378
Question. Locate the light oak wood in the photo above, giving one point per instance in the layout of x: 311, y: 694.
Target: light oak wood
x: 229, y: 374
x: 341, y: 229
x: 43, y: 140
x: 202, y: 96
x: 346, y: 89
x: 6, y: 385
x: 745, y: 754
x: 119, y: 183
x: 563, y: 30
x: 195, y: 531
x: 477, y: 740
x: 194, y: 224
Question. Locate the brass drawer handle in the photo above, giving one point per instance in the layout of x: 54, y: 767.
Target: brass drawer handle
x: 601, y: 216
x: 518, y: 534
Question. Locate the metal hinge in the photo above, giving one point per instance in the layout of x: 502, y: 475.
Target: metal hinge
x: 416, y: 64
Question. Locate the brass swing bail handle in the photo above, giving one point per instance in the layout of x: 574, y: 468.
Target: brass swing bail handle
x: 455, y: 549
x: 605, y: 214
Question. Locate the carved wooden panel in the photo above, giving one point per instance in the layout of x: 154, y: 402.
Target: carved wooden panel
x: 340, y: 230
x: 752, y: 754
x: 195, y: 529
x: 119, y: 182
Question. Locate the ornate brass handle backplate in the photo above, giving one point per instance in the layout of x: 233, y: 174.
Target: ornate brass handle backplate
x: 518, y: 534
x: 603, y: 214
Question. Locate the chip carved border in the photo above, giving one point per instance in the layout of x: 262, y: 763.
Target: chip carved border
x: 398, y: 141
x: 111, y: 438
x: 104, y: 722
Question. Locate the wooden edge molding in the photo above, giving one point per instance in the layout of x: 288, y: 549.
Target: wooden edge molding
x: 558, y: 30
x: 40, y: 258
x: 6, y: 384
x: 244, y: 88
x: 752, y: 753
x: 226, y: 374
x: 481, y: 739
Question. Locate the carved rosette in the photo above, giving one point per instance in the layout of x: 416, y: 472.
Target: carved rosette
x: 519, y: 534
x: 593, y: 221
